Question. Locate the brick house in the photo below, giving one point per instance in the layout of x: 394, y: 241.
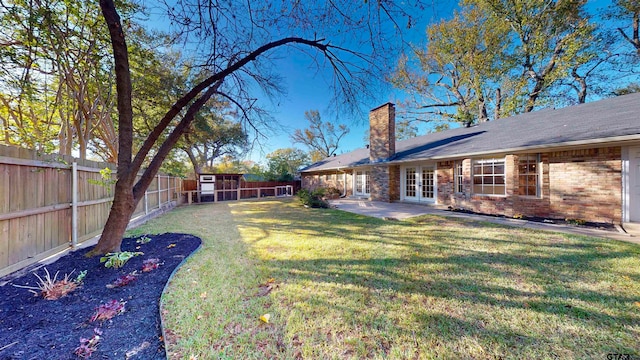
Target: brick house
x: 580, y: 162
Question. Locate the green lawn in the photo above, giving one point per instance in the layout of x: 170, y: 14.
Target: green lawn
x: 344, y: 286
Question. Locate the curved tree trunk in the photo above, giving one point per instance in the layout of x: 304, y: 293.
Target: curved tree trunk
x: 124, y: 204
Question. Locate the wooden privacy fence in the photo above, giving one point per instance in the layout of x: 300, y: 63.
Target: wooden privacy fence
x: 240, y: 191
x: 49, y: 203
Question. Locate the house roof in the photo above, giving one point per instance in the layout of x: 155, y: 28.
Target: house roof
x: 609, y: 120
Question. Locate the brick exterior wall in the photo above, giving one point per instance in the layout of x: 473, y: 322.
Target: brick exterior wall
x: 394, y: 183
x: 385, y: 179
x: 576, y: 184
x: 385, y: 183
x: 382, y: 133
x: 587, y: 184
x: 336, y: 180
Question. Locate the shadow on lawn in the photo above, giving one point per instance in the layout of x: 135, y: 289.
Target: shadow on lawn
x: 451, y: 270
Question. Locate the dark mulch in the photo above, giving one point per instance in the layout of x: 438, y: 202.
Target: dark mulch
x: 34, y: 328
x: 567, y: 222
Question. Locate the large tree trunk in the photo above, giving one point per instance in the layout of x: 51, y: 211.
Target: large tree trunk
x: 124, y: 204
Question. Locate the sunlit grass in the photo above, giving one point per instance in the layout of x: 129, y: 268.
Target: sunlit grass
x: 348, y: 286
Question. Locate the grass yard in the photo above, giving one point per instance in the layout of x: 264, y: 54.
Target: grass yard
x: 344, y: 286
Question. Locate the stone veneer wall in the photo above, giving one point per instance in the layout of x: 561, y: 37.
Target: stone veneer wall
x: 577, y: 184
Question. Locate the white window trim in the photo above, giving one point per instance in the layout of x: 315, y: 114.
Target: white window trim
x: 539, y: 182
x: 504, y: 164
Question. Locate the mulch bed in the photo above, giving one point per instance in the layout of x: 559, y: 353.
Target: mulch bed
x: 34, y: 328
x: 567, y: 222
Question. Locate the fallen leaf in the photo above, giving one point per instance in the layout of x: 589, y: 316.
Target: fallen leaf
x: 637, y: 303
x: 203, y: 295
x: 265, y: 318
x: 171, y: 246
x: 264, y: 290
x: 271, y: 280
x: 199, y: 317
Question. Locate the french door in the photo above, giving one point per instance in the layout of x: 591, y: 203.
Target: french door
x: 362, y: 186
x: 419, y: 183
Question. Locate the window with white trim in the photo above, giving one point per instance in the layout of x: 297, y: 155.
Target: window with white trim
x: 489, y: 177
x: 528, y: 175
x: 458, y: 179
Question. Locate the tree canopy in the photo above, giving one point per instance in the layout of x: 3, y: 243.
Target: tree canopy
x: 284, y: 164
x: 496, y: 58
x: 322, y: 138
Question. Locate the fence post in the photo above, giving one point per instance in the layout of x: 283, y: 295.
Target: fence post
x: 146, y: 202
x: 74, y: 204
x: 159, y: 192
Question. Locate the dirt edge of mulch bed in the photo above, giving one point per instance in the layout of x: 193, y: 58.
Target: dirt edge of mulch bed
x: 32, y: 327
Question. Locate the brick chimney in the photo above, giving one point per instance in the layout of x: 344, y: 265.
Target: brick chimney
x: 382, y: 133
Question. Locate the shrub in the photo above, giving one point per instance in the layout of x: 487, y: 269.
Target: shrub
x: 312, y: 199
x: 332, y: 193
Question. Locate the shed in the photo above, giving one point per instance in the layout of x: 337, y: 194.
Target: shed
x: 218, y: 187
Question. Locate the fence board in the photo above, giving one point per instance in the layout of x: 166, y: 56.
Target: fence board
x: 4, y: 189
x: 4, y: 244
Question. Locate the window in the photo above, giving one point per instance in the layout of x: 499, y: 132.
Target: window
x: 528, y: 175
x: 488, y: 177
x: 457, y: 177
x: 327, y: 177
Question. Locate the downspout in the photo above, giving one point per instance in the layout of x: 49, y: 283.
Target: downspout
x: 344, y: 183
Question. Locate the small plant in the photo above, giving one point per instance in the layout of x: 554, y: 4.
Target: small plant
x: 123, y: 280
x: 52, y: 288
x: 143, y: 240
x: 150, y: 265
x: 109, y: 310
x: 106, y: 180
x: 88, y: 346
x: 118, y: 259
x: 579, y: 222
x: 80, y: 278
